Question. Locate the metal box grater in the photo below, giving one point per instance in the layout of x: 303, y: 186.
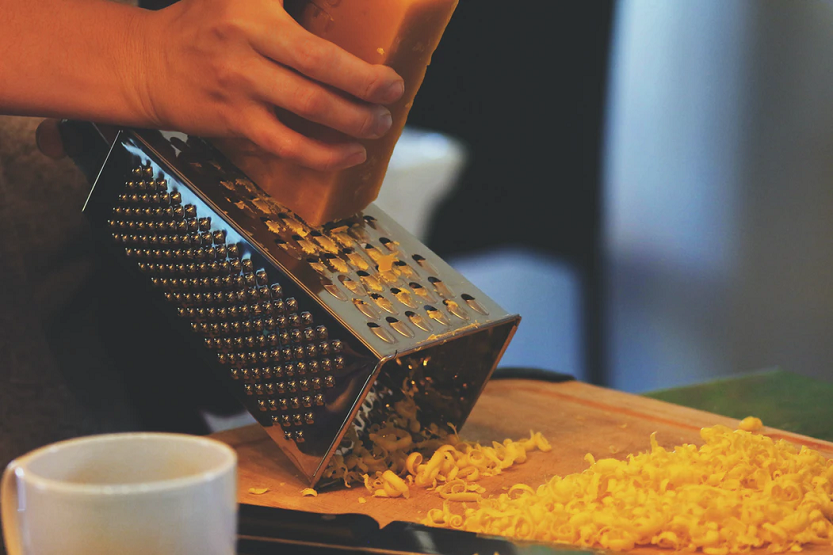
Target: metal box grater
x: 313, y: 329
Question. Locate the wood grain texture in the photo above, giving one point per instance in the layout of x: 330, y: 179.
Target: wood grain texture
x: 575, y: 417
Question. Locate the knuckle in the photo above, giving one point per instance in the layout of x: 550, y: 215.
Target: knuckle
x: 310, y: 57
x: 289, y: 150
x: 312, y: 103
x: 294, y: 151
x: 227, y: 74
x: 329, y: 163
x: 372, y: 86
x: 279, y: 145
x: 228, y: 26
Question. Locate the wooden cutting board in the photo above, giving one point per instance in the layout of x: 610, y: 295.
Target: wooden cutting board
x: 575, y: 417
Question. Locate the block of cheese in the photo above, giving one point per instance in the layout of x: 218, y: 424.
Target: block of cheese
x: 402, y: 34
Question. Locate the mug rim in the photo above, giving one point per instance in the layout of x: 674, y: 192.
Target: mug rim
x: 19, y: 465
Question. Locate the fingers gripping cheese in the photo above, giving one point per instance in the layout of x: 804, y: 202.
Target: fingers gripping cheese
x: 402, y: 34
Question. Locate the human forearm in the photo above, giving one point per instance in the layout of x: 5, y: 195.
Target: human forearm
x: 214, y: 68
x: 79, y: 58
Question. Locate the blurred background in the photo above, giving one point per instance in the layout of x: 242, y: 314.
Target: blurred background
x: 648, y: 183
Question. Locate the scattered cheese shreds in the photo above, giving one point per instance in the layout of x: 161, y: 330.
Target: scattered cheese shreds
x: 453, y: 467
x: 736, y: 492
x: 258, y: 491
x: 309, y: 492
x: 751, y: 424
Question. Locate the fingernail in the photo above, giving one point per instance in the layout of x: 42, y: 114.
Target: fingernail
x: 383, y: 122
x: 356, y: 158
x: 394, y: 91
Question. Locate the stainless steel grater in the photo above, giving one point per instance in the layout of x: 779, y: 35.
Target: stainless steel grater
x: 312, y: 329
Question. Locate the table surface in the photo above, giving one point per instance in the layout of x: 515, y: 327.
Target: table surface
x: 577, y: 418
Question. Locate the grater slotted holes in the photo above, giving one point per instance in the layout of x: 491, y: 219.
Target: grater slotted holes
x: 380, y: 332
x: 290, y: 248
x: 370, y: 282
x: 335, y: 263
x: 358, y: 233
x: 355, y: 260
x: 383, y: 303
x: 436, y: 315
x: 332, y: 289
x: 403, y: 297
x: 307, y: 247
x: 474, y: 304
x: 456, y: 309
x: 400, y: 327
x: 366, y: 309
x: 419, y: 321
x: 327, y: 244
x: 441, y: 288
x: 424, y: 264
x: 316, y: 264
x: 389, y: 244
x: 422, y: 292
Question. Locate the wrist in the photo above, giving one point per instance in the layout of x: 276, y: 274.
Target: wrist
x: 139, y: 61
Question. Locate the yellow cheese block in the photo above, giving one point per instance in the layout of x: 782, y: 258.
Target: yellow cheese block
x: 402, y: 34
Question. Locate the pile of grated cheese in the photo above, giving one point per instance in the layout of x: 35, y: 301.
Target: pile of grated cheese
x: 736, y: 492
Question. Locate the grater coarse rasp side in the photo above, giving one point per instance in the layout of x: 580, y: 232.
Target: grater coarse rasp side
x: 314, y: 330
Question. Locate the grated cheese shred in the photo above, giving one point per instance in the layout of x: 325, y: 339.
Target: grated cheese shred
x: 737, y: 492
x: 751, y: 424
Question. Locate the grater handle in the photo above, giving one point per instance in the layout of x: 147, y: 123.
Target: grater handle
x: 87, y: 144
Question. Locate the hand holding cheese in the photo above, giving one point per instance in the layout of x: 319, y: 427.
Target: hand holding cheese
x: 309, y: 105
x: 216, y: 68
x: 220, y: 67
x: 402, y: 34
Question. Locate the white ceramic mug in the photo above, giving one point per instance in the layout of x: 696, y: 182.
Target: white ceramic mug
x: 122, y: 494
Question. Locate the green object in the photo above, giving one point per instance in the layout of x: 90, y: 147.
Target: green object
x: 780, y: 399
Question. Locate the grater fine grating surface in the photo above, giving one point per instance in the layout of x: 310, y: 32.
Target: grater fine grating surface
x: 314, y: 330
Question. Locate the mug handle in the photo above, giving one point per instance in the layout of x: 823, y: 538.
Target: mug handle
x: 8, y: 502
